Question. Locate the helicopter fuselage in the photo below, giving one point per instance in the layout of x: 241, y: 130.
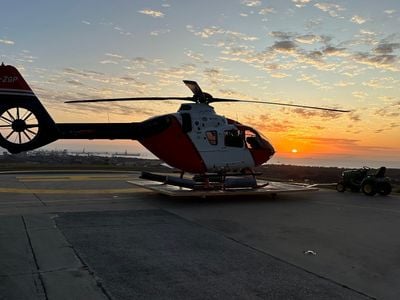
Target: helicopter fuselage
x: 198, y: 140
x: 194, y: 139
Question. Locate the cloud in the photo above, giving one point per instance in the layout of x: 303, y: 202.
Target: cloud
x: 355, y: 117
x: 81, y: 73
x: 208, y: 32
x: 384, y: 61
x: 284, y: 46
x: 334, y: 51
x: 279, y: 75
x: 366, y: 32
x: 312, y: 79
x: 325, y: 140
x: 359, y: 95
x: 301, y: 3
x: 343, y: 83
x: 152, y: 13
x: 330, y: 8
x: 75, y: 82
x: 291, y: 51
x: 195, y: 56
x: 388, y: 127
x: 108, y: 62
x: 114, y: 55
x: 386, y: 48
x: 176, y: 72
x: 308, y: 39
x: 121, y: 31
x: 311, y: 113
x: 282, y: 35
x: 358, y: 20
x: 283, y: 54
x: 251, y: 3
x: 86, y: 22
x: 158, y: 32
x: 389, y: 11
x: 389, y: 111
x: 273, y: 124
x: 381, y: 82
x: 218, y: 76
x: 229, y: 93
x: 7, y: 42
x: 347, y: 144
x: 266, y: 11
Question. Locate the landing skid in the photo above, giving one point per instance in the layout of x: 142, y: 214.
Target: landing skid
x: 263, y: 188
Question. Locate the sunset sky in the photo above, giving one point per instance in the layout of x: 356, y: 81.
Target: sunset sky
x: 340, y: 54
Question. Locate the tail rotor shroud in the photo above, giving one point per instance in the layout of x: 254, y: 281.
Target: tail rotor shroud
x: 24, y: 122
x: 18, y: 125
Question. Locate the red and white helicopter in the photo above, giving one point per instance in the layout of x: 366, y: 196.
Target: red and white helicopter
x: 195, y: 139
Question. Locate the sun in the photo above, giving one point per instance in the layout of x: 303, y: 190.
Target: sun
x: 294, y: 150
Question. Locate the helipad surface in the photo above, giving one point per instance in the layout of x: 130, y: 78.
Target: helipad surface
x: 95, y: 236
x: 273, y: 188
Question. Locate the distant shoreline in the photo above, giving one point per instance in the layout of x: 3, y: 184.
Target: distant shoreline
x: 64, y: 161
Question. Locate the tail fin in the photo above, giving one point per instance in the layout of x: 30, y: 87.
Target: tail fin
x: 24, y: 122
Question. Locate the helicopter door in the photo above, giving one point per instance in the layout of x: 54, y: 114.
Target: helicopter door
x: 233, y: 138
x: 186, y: 122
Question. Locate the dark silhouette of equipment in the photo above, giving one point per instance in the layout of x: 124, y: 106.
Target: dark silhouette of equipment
x: 364, y: 180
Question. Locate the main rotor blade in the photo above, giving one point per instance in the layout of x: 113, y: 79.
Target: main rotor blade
x: 194, y: 87
x: 131, y: 99
x: 277, y: 103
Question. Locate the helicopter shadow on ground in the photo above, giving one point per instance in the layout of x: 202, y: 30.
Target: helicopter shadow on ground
x: 229, y: 199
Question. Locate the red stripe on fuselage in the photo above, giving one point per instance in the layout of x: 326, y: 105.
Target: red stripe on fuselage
x: 174, y: 147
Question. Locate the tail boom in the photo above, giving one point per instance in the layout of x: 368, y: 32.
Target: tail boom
x: 26, y: 125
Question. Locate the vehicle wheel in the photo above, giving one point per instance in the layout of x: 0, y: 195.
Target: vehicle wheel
x: 385, y: 188
x: 340, y: 187
x: 368, y: 188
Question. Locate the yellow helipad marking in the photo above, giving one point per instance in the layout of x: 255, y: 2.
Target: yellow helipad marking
x: 71, y: 178
x: 69, y: 191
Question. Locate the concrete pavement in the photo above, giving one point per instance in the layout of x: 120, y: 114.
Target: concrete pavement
x: 93, y: 236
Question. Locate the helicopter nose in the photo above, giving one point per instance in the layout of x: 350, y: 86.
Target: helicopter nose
x: 269, y: 148
x: 262, y: 152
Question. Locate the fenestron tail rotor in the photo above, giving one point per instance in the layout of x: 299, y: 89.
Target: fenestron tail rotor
x: 18, y: 125
x: 24, y: 122
x: 201, y: 97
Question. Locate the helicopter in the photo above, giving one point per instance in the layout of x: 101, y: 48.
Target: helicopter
x: 194, y: 140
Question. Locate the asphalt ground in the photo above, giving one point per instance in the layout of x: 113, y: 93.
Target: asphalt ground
x: 94, y: 236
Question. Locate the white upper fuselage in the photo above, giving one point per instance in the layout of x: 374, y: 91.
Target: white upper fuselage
x: 208, y: 134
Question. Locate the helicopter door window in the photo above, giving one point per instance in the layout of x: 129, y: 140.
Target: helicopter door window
x: 252, y: 140
x: 212, y: 137
x: 233, y: 138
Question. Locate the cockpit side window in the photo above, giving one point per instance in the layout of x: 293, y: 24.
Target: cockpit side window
x: 212, y: 137
x: 252, y: 140
x: 233, y: 138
